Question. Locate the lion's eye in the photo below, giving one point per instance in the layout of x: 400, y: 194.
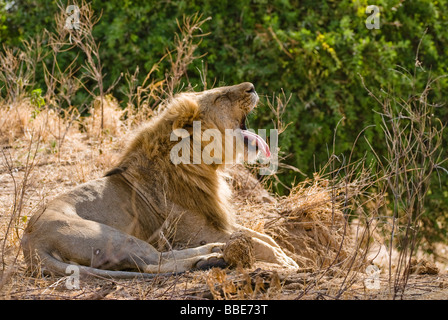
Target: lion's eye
x: 222, y: 96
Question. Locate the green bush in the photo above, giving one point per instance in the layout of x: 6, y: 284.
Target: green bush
x: 314, y: 50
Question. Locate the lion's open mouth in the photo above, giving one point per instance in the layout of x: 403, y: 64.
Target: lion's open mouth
x: 251, y: 138
x: 243, y: 123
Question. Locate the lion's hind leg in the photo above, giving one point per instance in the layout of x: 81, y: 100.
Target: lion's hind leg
x: 72, y: 240
x: 112, y: 249
x: 202, y: 257
x: 171, y: 261
x: 174, y: 261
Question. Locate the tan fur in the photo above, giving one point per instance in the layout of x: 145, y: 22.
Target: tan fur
x: 118, y: 221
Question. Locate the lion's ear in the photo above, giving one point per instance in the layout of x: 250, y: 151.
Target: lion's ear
x: 185, y: 112
x: 116, y: 170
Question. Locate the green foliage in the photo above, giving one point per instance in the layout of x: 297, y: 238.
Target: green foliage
x: 37, y: 101
x: 314, y: 50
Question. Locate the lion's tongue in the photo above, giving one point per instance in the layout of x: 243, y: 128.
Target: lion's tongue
x: 254, y: 138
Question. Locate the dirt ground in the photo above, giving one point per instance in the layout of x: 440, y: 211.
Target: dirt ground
x: 46, y: 173
x: 260, y: 283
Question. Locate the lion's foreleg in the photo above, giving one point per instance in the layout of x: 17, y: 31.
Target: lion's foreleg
x: 260, y: 236
x: 266, y: 249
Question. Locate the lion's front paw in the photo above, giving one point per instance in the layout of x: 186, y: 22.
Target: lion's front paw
x: 211, y: 261
x: 217, y: 247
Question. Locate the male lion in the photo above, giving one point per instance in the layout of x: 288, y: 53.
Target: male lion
x: 112, y: 225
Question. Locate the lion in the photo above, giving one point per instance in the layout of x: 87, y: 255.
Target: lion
x: 115, y: 225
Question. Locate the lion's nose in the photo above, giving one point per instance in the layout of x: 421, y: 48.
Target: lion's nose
x: 249, y: 87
